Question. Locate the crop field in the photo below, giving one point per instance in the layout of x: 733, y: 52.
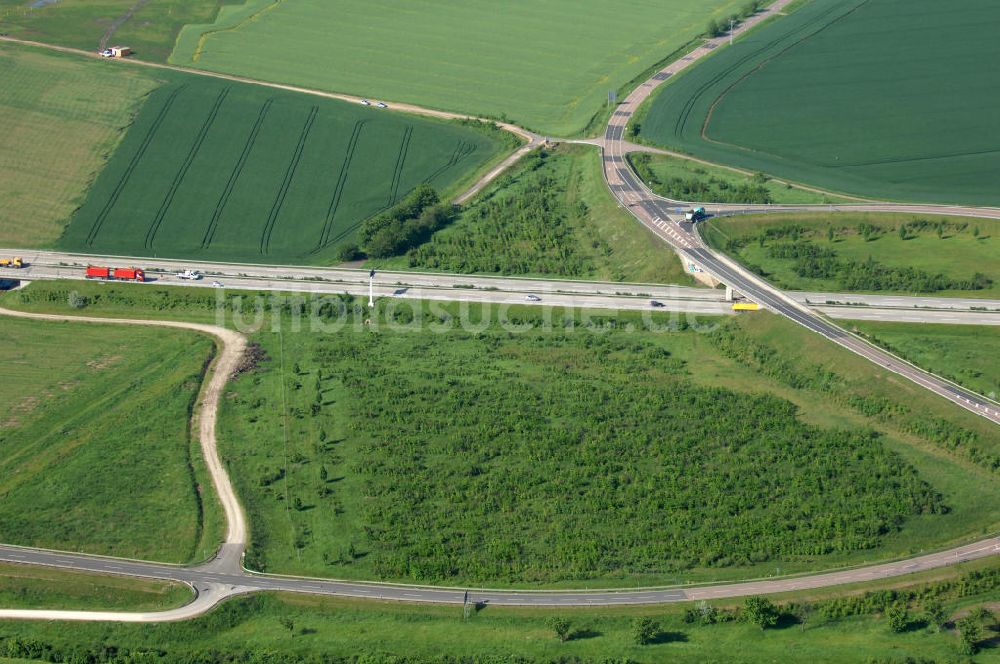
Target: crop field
x: 27, y: 587
x: 562, y: 458
x: 95, y: 451
x: 239, y: 172
x: 814, y: 98
x: 966, y: 354
x: 909, y: 254
x: 828, y: 628
x: 551, y: 215
x: 60, y: 117
x: 150, y: 30
x: 547, y: 66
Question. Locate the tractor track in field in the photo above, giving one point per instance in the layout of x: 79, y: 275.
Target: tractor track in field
x: 338, y: 190
x: 293, y: 165
x: 178, y: 180
x: 220, y: 206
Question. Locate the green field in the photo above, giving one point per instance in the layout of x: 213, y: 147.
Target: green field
x: 815, y: 98
x: 95, y: 449
x: 371, y: 452
x: 547, y: 66
x: 687, y: 180
x: 848, y: 252
x: 150, y: 31
x: 821, y: 627
x: 966, y: 354
x: 551, y: 215
x: 24, y: 587
x: 214, y: 170
x: 60, y: 118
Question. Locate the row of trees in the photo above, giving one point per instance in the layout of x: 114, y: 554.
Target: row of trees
x: 717, y: 28
x: 704, y: 188
x: 405, y: 226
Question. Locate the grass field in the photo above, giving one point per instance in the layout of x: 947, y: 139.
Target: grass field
x: 95, y: 451
x: 546, y: 66
x: 301, y: 629
x: 686, y: 180
x: 60, y: 118
x: 813, y: 98
x: 337, y: 431
x: 552, y: 215
x: 965, y: 354
x: 238, y: 172
x: 24, y: 587
x: 151, y: 30
x: 866, y: 252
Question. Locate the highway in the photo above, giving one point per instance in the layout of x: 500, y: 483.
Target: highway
x: 613, y: 296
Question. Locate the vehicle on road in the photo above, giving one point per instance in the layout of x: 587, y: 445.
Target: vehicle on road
x: 107, y: 53
x: 365, y: 102
x: 190, y: 275
x: 115, y: 273
x: 746, y: 306
x: 16, y: 262
x: 382, y: 104
x: 217, y: 284
x: 695, y: 214
x: 533, y: 298
x: 656, y: 303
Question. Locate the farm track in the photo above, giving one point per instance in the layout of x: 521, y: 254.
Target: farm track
x: 102, y: 216
x: 199, y: 140
x: 293, y: 165
x: 397, y: 173
x: 220, y: 206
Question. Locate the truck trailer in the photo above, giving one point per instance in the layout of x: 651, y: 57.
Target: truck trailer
x: 14, y: 262
x: 115, y: 274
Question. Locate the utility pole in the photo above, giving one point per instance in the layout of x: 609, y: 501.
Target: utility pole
x: 732, y: 29
x: 371, y: 289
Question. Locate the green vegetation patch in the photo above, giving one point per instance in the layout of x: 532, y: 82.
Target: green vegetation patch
x: 966, y: 354
x: 149, y: 28
x: 552, y: 215
x: 548, y: 66
x: 687, y: 180
x: 60, y: 118
x: 866, y: 252
x: 25, y: 587
x: 215, y: 170
x: 95, y: 448
x: 805, y: 98
x: 855, y: 629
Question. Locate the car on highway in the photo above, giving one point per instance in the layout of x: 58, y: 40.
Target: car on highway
x: 382, y: 104
x: 366, y: 102
x: 217, y: 284
x: 533, y: 298
x: 656, y: 303
x: 190, y: 275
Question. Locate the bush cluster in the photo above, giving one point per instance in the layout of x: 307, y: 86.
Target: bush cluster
x: 406, y: 225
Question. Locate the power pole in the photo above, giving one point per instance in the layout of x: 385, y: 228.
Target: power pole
x: 732, y: 29
x: 371, y: 289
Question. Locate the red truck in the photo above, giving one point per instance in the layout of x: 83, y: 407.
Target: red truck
x: 116, y: 274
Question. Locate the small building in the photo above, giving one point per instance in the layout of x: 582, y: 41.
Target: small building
x: 120, y: 51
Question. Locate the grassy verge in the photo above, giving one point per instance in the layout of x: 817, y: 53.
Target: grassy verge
x: 857, y: 252
x: 60, y: 118
x: 299, y: 629
x: 965, y: 354
x: 687, y: 180
x: 96, y: 451
x: 25, y: 587
x: 551, y: 216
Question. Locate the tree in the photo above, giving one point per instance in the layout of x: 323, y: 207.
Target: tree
x: 898, y: 618
x: 560, y: 626
x: 645, y: 630
x: 902, y: 232
x: 322, y: 473
x: 935, y: 614
x: 829, y: 233
x: 760, y: 611
x: 975, y: 232
x: 287, y: 623
x: 349, y: 251
x: 77, y: 301
x: 970, y: 633
x: 297, y: 504
x: 713, y: 29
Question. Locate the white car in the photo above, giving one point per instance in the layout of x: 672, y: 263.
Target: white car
x: 533, y: 298
x: 107, y: 53
x: 366, y: 102
x: 191, y: 275
x: 217, y: 284
x: 382, y: 104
